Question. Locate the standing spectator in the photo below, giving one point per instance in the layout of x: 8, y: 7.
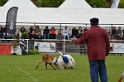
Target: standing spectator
x: 31, y: 29
x: 74, y: 32
x: 22, y: 29
x: 1, y: 32
x: 59, y: 37
x: 32, y: 37
x: 123, y: 32
x: 52, y: 33
x: 98, y: 46
x: 79, y: 30
x: 66, y: 33
x: 4, y: 32
x: 46, y: 33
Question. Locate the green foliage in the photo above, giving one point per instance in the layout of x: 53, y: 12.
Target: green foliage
x: 17, y: 36
x: 103, y: 3
x: 34, y: 52
x: 51, y: 3
x: 121, y: 5
x: 25, y: 35
x: 57, y: 3
x: 2, y: 2
x: 98, y: 3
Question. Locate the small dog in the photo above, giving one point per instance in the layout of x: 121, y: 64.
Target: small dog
x: 48, y: 59
x: 64, y: 61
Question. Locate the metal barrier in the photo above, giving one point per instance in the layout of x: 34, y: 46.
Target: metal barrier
x: 66, y: 46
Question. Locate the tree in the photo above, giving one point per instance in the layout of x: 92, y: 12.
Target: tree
x: 103, y: 3
x: 2, y: 2
x: 47, y: 3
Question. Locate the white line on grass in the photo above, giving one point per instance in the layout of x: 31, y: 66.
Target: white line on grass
x: 28, y: 74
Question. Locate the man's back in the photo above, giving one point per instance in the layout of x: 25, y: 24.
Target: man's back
x: 97, y: 42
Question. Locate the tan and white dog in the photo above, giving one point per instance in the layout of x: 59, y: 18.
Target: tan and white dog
x: 48, y: 59
x: 64, y: 61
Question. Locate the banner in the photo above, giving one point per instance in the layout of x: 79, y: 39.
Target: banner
x: 23, y: 46
x: 5, y: 49
x: 11, y: 22
x: 45, y: 46
x: 116, y: 47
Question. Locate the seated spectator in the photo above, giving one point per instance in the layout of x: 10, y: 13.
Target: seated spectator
x: 37, y: 29
x: 38, y: 35
x: 119, y: 33
x: 46, y: 33
x: 32, y: 36
x: 66, y: 33
x: 74, y: 32
x: 114, y: 31
x: 52, y: 33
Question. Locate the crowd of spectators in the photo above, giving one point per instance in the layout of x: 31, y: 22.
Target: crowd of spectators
x: 115, y: 33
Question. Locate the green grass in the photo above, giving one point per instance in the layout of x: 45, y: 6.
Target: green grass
x: 22, y: 69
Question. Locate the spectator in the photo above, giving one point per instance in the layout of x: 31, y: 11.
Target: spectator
x: 66, y: 33
x: 98, y: 45
x: 59, y: 37
x: 38, y: 35
x: 46, y: 33
x: 4, y: 32
x: 31, y: 29
x: 119, y: 33
x: 74, y: 32
x: 1, y: 32
x: 37, y: 29
x: 32, y: 36
x: 79, y: 30
x: 22, y: 29
x: 52, y: 33
x: 85, y: 28
x: 123, y: 32
x: 114, y: 31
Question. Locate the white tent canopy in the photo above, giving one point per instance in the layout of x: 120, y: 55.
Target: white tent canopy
x: 20, y: 4
x: 56, y: 15
x: 61, y: 15
x: 75, y: 4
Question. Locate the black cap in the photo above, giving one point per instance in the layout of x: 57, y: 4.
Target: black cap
x: 94, y: 20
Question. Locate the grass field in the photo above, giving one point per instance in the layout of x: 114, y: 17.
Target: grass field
x: 22, y: 69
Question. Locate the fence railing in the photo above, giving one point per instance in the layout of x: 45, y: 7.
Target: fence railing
x: 66, y: 46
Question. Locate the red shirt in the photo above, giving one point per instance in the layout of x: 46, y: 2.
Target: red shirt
x: 97, y: 42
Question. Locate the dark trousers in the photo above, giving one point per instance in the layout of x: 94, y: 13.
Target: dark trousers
x: 98, y: 68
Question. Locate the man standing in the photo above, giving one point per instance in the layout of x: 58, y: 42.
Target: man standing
x: 98, y: 46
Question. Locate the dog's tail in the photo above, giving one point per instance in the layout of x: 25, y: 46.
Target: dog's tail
x: 61, y: 54
x: 65, y: 59
x: 121, y: 77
